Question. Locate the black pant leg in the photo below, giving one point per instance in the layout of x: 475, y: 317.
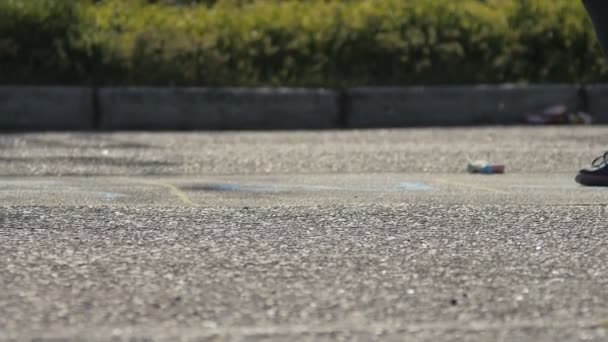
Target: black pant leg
x: 598, y: 12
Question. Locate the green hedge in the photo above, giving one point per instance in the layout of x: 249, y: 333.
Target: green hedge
x: 296, y: 43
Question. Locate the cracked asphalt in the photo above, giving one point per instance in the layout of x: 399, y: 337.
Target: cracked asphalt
x: 375, y: 235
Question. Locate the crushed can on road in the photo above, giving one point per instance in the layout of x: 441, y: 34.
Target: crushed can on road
x: 484, y: 167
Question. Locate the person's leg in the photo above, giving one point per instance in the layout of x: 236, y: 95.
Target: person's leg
x: 598, y: 12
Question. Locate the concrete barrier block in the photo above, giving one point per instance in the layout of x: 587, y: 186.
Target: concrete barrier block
x: 46, y: 108
x: 221, y: 108
x: 597, y: 96
x: 457, y: 105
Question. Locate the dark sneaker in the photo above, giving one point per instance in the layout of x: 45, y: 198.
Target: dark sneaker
x: 598, y: 176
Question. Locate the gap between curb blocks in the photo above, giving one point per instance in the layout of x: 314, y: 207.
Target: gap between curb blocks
x: 97, y: 119
x: 181, y: 108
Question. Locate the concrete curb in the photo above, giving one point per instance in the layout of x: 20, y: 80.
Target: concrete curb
x: 46, y: 108
x: 125, y: 108
x: 222, y: 108
x: 451, y: 106
x: 597, y: 95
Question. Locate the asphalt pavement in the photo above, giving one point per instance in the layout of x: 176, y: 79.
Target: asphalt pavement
x: 372, y: 235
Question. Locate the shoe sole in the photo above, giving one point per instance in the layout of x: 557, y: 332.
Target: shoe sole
x: 591, y: 180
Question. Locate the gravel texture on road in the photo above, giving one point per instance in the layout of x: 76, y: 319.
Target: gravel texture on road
x: 528, y: 150
x: 302, y: 236
x: 368, y: 270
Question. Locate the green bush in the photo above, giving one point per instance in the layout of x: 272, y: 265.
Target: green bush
x: 297, y: 43
x: 36, y: 40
